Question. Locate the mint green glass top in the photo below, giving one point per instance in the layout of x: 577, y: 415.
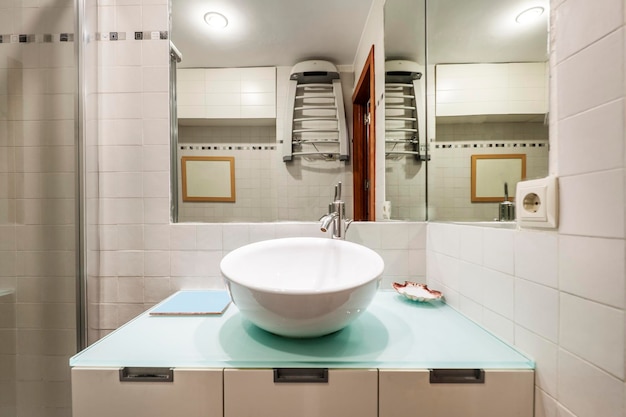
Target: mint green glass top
x: 393, y: 333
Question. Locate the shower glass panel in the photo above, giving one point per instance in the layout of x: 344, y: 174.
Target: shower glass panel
x: 38, y: 225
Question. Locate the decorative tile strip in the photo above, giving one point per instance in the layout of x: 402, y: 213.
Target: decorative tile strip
x: 138, y: 36
x: 37, y: 38
x: 492, y: 145
x: 227, y: 148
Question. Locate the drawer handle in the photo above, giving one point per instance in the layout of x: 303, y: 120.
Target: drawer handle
x: 457, y: 376
x: 286, y: 375
x: 142, y: 374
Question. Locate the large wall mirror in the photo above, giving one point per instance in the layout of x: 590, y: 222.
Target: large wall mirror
x: 479, y: 86
x: 487, y: 95
x: 232, y: 91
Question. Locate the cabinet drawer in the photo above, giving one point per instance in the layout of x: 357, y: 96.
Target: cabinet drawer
x: 98, y: 392
x: 410, y: 393
x: 254, y: 392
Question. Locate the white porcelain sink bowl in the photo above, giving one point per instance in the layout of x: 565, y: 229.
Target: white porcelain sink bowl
x: 303, y: 286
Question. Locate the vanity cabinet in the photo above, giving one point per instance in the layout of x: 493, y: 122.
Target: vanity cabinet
x: 461, y: 393
x: 225, y: 93
x: 399, y: 359
x: 100, y: 392
x: 261, y: 392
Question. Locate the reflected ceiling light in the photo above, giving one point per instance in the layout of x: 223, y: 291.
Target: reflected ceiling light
x: 529, y: 15
x: 216, y: 20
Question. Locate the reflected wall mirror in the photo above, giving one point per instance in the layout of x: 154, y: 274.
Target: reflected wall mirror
x: 487, y: 95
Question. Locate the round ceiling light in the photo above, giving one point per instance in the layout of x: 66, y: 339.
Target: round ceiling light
x: 529, y: 15
x: 216, y: 20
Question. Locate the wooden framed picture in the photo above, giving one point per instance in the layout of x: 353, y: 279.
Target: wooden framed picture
x: 490, y: 173
x: 208, y: 178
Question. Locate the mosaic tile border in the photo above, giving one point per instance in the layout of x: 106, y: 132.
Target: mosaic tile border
x: 147, y: 35
x: 492, y: 145
x: 226, y: 148
x: 37, y: 38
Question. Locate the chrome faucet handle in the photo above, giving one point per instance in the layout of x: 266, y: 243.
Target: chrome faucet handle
x: 338, y: 191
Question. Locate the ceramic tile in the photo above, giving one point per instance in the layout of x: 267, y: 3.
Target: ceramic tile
x: 154, y: 16
x: 472, y: 281
x: 130, y: 289
x: 156, y: 210
x: 499, y: 249
x: 603, y: 60
x: 394, y: 236
x: 471, y: 309
x: 209, y: 236
x: 156, y: 264
x: 606, y: 123
x: 183, y: 263
x: 498, y: 292
x: 183, y: 237
x: 366, y: 233
x: 155, y: 79
x: 537, y: 308
x: 545, y: 405
x: 598, y: 20
x: 120, y: 132
x: 545, y: 355
x: 592, y: 204
x: 129, y: 263
x: 236, y: 235
x: 472, y: 244
x: 536, y: 257
x: 443, y: 269
x: 499, y: 325
x: 593, y: 268
x: 156, y: 184
x: 594, y: 332
x: 600, y: 395
x: 396, y: 262
x: 444, y: 238
x: 129, y: 237
x: 155, y: 105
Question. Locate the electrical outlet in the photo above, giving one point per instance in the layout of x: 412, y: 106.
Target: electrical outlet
x: 537, y: 203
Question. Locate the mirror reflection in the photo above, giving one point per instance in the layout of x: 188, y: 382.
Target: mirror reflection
x: 487, y: 95
x: 232, y: 93
x: 405, y: 115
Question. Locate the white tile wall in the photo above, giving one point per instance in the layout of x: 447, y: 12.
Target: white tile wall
x: 569, y: 284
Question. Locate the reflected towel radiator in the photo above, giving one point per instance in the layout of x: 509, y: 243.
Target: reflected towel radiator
x: 403, y: 109
x: 315, y: 119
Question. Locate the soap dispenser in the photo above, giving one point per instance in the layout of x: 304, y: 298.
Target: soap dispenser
x: 506, y: 212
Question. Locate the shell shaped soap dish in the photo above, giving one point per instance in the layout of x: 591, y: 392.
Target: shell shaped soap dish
x: 416, y: 291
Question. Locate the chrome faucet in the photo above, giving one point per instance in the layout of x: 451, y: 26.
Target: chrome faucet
x: 336, y: 216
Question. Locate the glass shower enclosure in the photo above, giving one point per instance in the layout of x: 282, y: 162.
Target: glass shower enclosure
x: 39, y: 211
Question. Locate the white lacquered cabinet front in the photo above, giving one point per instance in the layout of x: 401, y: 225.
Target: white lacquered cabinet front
x: 101, y: 392
x: 406, y: 392
x: 263, y: 392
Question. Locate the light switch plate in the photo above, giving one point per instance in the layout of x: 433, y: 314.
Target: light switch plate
x: 537, y: 203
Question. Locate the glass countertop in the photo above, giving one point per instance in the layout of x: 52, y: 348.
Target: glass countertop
x: 393, y: 333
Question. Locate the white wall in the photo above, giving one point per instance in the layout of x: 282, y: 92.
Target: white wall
x: 559, y: 295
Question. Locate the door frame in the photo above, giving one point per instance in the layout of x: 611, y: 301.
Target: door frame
x: 364, y: 154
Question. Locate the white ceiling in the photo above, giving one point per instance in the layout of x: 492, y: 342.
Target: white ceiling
x: 284, y: 32
x: 268, y: 32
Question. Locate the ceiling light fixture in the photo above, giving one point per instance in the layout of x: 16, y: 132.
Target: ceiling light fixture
x: 216, y: 20
x: 529, y: 15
